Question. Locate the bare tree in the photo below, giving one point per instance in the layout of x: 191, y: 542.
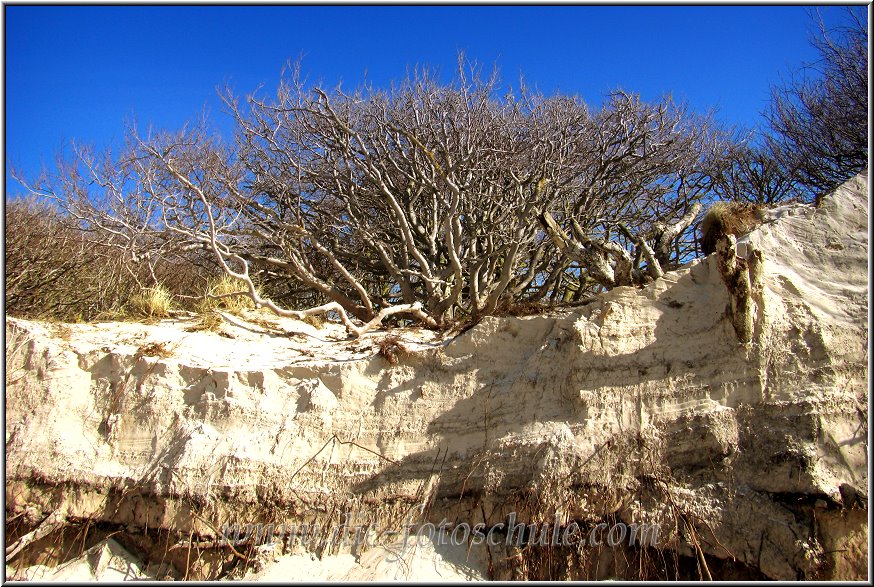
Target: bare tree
x: 819, y: 124
x: 754, y: 173
x: 110, y: 199
x: 99, y: 212
x: 437, y: 188
x: 429, y: 201
x: 43, y: 259
x: 650, y: 165
x: 56, y: 269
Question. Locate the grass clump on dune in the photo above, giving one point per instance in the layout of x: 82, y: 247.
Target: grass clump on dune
x: 217, y: 299
x: 152, y: 303
x: 216, y: 296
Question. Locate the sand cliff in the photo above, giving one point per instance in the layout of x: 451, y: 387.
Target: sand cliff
x: 640, y: 407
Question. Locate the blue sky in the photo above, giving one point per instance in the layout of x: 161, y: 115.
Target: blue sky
x: 79, y: 72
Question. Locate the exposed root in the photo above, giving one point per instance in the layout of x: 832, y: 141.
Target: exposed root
x: 54, y: 521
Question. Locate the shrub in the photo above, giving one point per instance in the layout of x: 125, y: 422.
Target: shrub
x: 54, y: 272
x: 429, y: 201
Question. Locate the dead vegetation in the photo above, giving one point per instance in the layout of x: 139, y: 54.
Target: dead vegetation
x: 724, y: 218
x: 152, y: 303
x: 209, y: 321
x: 521, y: 308
x: 17, y: 343
x: 315, y: 320
x: 225, y: 293
x: 392, y: 349
x: 58, y: 270
x: 154, y: 349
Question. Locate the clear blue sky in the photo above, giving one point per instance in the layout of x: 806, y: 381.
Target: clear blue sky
x: 79, y: 72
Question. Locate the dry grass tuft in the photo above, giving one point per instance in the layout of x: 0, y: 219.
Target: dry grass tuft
x: 60, y: 329
x: 724, y: 218
x: 17, y: 342
x: 263, y: 323
x: 314, y: 320
x: 210, y: 321
x: 222, y: 287
x: 154, y: 302
x: 392, y: 349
